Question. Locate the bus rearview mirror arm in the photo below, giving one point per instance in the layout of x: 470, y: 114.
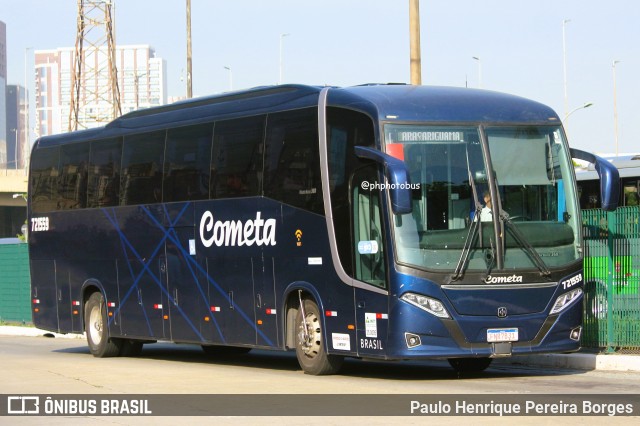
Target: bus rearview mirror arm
x: 609, y: 178
x: 397, y: 176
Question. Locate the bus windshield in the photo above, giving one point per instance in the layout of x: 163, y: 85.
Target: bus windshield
x: 469, y: 181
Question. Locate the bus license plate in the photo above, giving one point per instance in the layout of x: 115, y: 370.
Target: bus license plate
x: 502, y: 335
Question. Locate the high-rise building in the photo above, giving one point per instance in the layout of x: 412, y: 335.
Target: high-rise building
x: 141, y: 83
x: 16, y: 101
x: 3, y: 100
x: 13, y: 211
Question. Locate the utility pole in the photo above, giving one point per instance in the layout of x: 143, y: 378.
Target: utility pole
x: 414, y: 30
x: 282, y: 36
x: 615, y: 106
x: 189, y: 70
x: 564, y: 65
x: 94, y: 62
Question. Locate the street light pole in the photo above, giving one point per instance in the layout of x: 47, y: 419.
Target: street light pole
x: 479, y: 71
x: 564, y: 65
x: 26, y: 143
x: 586, y: 105
x: 282, y: 36
x: 136, y: 80
x: 615, y: 106
x: 564, y: 121
x: 230, y: 77
x: 189, y: 70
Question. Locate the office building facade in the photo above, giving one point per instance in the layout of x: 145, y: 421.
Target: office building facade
x: 140, y: 78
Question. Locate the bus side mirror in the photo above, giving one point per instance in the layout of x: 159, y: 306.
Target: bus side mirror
x: 397, y: 176
x: 609, y: 178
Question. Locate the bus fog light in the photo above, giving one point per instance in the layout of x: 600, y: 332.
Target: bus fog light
x: 566, y: 300
x: 576, y: 333
x: 433, y: 306
x: 413, y: 340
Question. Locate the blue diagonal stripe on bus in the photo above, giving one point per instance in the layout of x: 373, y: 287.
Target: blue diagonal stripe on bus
x: 209, y: 279
x: 167, y: 235
x: 187, y: 256
x: 124, y: 250
x: 146, y: 267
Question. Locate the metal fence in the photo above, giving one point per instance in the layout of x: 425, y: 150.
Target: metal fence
x: 15, y: 282
x: 612, y: 274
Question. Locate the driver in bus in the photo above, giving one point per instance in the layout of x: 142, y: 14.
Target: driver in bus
x: 485, y: 214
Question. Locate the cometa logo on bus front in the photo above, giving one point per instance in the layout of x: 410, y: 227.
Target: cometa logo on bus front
x: 235, y: 233
x: 503, y: 280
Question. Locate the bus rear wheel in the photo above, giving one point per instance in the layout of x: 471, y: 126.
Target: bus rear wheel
x: 470, y: 365
x: 310, y: 346
x: 95, y: 323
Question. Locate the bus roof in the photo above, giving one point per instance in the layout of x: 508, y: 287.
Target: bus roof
x: 397, y: 102
x: 400, y: 102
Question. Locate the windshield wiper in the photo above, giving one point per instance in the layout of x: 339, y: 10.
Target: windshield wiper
x: 533, y: 254
x: 474, y: 229
x: 468, y: 243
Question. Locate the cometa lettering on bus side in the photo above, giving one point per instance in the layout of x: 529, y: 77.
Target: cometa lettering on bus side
x: 235, y: 233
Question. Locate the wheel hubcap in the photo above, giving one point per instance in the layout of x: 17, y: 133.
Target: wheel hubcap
x: 310, y: 344
x: 95, y: 326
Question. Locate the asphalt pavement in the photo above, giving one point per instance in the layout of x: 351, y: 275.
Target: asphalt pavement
x: 577, y: 361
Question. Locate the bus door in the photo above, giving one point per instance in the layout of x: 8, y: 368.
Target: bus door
x: 369, y: 265
x: 142, y: 291
x: 143, y: 304
x: 63, y: 297
x: 265, y: 302
x: 189, y: 310
x: 231, y: 289
x: 44, y: 295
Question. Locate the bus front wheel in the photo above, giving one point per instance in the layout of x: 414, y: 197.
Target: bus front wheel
x: 95, y: 323
x: 310, y: 347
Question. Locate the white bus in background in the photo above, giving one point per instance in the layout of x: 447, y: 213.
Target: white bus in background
x: 589, y: 183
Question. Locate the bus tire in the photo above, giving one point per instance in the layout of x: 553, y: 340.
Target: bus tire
x: 470, y: 365
x: 95, y: 323
x: 310, y: 347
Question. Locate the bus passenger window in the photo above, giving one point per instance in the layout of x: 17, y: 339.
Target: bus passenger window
x: 72, y: 181
x: 292, y: 163
x: 236, y: 159
x: 142, y: 158
x: 44, y: 179
x: 103, y: 188
x: 186, y: 163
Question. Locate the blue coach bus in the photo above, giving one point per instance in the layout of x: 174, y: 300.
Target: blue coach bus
x: 336, y: 222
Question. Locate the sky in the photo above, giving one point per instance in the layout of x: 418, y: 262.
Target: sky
x: 348, y: 42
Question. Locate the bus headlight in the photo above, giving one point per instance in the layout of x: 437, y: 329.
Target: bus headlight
x: 565, y: 300
x: 433, y: 306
